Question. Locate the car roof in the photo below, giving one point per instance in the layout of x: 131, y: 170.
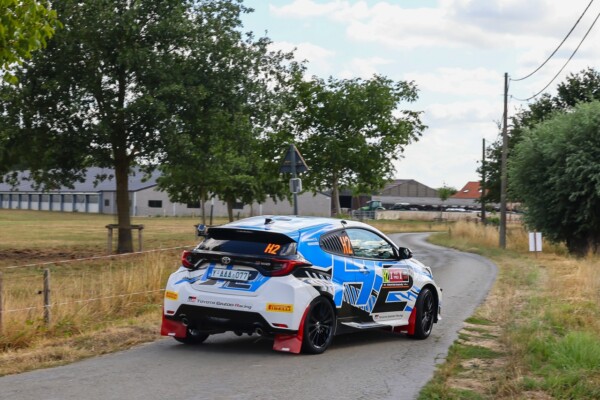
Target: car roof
x: 290, y: 225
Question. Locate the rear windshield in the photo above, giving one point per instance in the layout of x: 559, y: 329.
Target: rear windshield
x: 248, y: 242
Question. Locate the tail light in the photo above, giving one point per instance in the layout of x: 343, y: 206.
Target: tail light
x: 286, y: 267
x: 186, y: 259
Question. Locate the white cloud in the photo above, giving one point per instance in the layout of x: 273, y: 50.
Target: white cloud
x: 459, y: 81
x: 363, y: 67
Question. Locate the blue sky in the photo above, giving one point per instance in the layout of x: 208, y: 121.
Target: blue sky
x: 456, y: 51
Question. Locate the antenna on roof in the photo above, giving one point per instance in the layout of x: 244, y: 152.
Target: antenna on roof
x: 344, y: 222
x: 268, y: 221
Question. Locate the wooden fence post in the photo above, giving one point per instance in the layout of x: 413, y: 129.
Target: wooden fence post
x: 47, y: 296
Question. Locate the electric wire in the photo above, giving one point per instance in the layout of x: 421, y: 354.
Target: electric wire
x: 565, y: 64
x: 559, y: 46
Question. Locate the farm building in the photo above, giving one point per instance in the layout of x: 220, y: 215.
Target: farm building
x: 146, y: 200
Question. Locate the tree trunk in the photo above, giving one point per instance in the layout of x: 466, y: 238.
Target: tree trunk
x: 122, y: 164
x: 230, y: 210
x: 202, y: 198
x: 335, y: 196
x: 125, y: 243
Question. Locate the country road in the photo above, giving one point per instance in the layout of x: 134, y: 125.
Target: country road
x: 365, y: 365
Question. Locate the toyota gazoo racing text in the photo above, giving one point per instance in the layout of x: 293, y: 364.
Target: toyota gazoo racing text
x: 300, y: 280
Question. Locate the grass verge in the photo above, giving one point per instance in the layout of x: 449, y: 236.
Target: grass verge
x: 540, y: 325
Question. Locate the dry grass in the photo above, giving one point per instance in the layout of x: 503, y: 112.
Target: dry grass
x: 544, y: 311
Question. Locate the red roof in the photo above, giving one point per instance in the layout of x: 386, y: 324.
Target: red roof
x: 472, y: 190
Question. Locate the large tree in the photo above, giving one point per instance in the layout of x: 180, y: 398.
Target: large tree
x: 228, y: 139
x: 577, y: 88
x: 110, y: 89
x: 555, y: 171
x: 350, y: 131
x: 25, y: 26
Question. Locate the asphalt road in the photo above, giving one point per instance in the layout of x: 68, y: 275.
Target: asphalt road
x: 364, y: 365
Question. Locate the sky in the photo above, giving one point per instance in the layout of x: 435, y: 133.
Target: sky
x: 455, y: 51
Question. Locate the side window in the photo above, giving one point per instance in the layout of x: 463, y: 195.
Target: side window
x: 337, y: 242
x: 367, y: 244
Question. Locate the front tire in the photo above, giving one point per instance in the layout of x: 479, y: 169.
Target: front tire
x: 193, y: 336
x: 425, y: 314
x: 319, y: 326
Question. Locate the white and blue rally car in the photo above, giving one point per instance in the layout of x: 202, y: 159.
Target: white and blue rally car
x: 301, y: 280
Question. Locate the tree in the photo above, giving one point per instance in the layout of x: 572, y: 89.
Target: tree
x: 111, y: 89
x: 228, y: 139
x: 581, y: 87
x: 555, y: 170
x: 25, y: 26
x: 351, y: 131
x: 444, y: 194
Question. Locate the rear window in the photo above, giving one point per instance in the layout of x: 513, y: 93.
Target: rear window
x: 248, y: 242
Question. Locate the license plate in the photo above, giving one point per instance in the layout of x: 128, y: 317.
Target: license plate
x: 231, y: 274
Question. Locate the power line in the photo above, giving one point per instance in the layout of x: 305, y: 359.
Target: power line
x: 561, y: 43
x: 563, y: 67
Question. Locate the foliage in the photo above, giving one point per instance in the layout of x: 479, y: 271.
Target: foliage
x: 115, y: 87
x: 445, y: 192
x: 581, y: 87
x: 227, y: 141
x: 25, y: 26
x: 351, y: 131
x: 555, y: 170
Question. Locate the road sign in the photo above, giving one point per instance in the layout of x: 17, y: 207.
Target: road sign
x: 292, y: 159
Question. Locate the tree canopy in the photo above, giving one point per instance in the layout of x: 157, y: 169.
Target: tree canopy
x: 115, y: 87
x: 25, y: 26
x: 581, y: 87
x: 350, y: 131
x: 555, y: 171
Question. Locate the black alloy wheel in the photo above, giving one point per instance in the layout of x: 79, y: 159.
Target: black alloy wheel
x: 193, y: 336
x: 425, y: 314
x: 319, y: 326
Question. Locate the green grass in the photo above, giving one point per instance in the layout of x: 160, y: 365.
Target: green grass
x: 546, y: 311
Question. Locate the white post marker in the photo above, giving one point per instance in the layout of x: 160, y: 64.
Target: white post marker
x: 535, y: 241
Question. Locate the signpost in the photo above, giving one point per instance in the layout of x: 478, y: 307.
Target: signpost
x: 535, y: 242
x: 294, y: 163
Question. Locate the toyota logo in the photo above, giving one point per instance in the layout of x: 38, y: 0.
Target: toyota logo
x: 225, y: 260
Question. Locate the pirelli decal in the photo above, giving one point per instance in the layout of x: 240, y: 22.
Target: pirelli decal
x: 171, y: 295
x: 275, y: 307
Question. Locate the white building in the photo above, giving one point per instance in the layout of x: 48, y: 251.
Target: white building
x: 145, y: 199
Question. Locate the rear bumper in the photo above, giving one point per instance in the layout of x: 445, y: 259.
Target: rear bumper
x: 216, y: 320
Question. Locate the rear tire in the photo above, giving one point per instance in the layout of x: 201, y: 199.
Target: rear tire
x: 319, y: 326
x: 425, y: 314
x: 193, y: 336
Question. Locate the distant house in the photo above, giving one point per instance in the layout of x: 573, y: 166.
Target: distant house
x: 144, y: 197
x: 472, y: 190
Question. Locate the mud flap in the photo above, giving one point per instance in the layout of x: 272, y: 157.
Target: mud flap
x: 412, y: 321
x: 172, y: 328
x: 291, y: 343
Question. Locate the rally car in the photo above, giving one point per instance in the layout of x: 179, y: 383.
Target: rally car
x: 300, y: 280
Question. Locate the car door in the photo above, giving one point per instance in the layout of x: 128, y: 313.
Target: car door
x: 386, y: 279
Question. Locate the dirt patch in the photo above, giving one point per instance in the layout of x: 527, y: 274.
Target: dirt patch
x: 15, y: 257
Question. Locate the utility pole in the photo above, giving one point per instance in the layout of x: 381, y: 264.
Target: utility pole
x: 483, y: 185
x: 503, y: 167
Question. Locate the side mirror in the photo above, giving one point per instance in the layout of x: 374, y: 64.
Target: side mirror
x: 201, y: 230
x: 405, y: 253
